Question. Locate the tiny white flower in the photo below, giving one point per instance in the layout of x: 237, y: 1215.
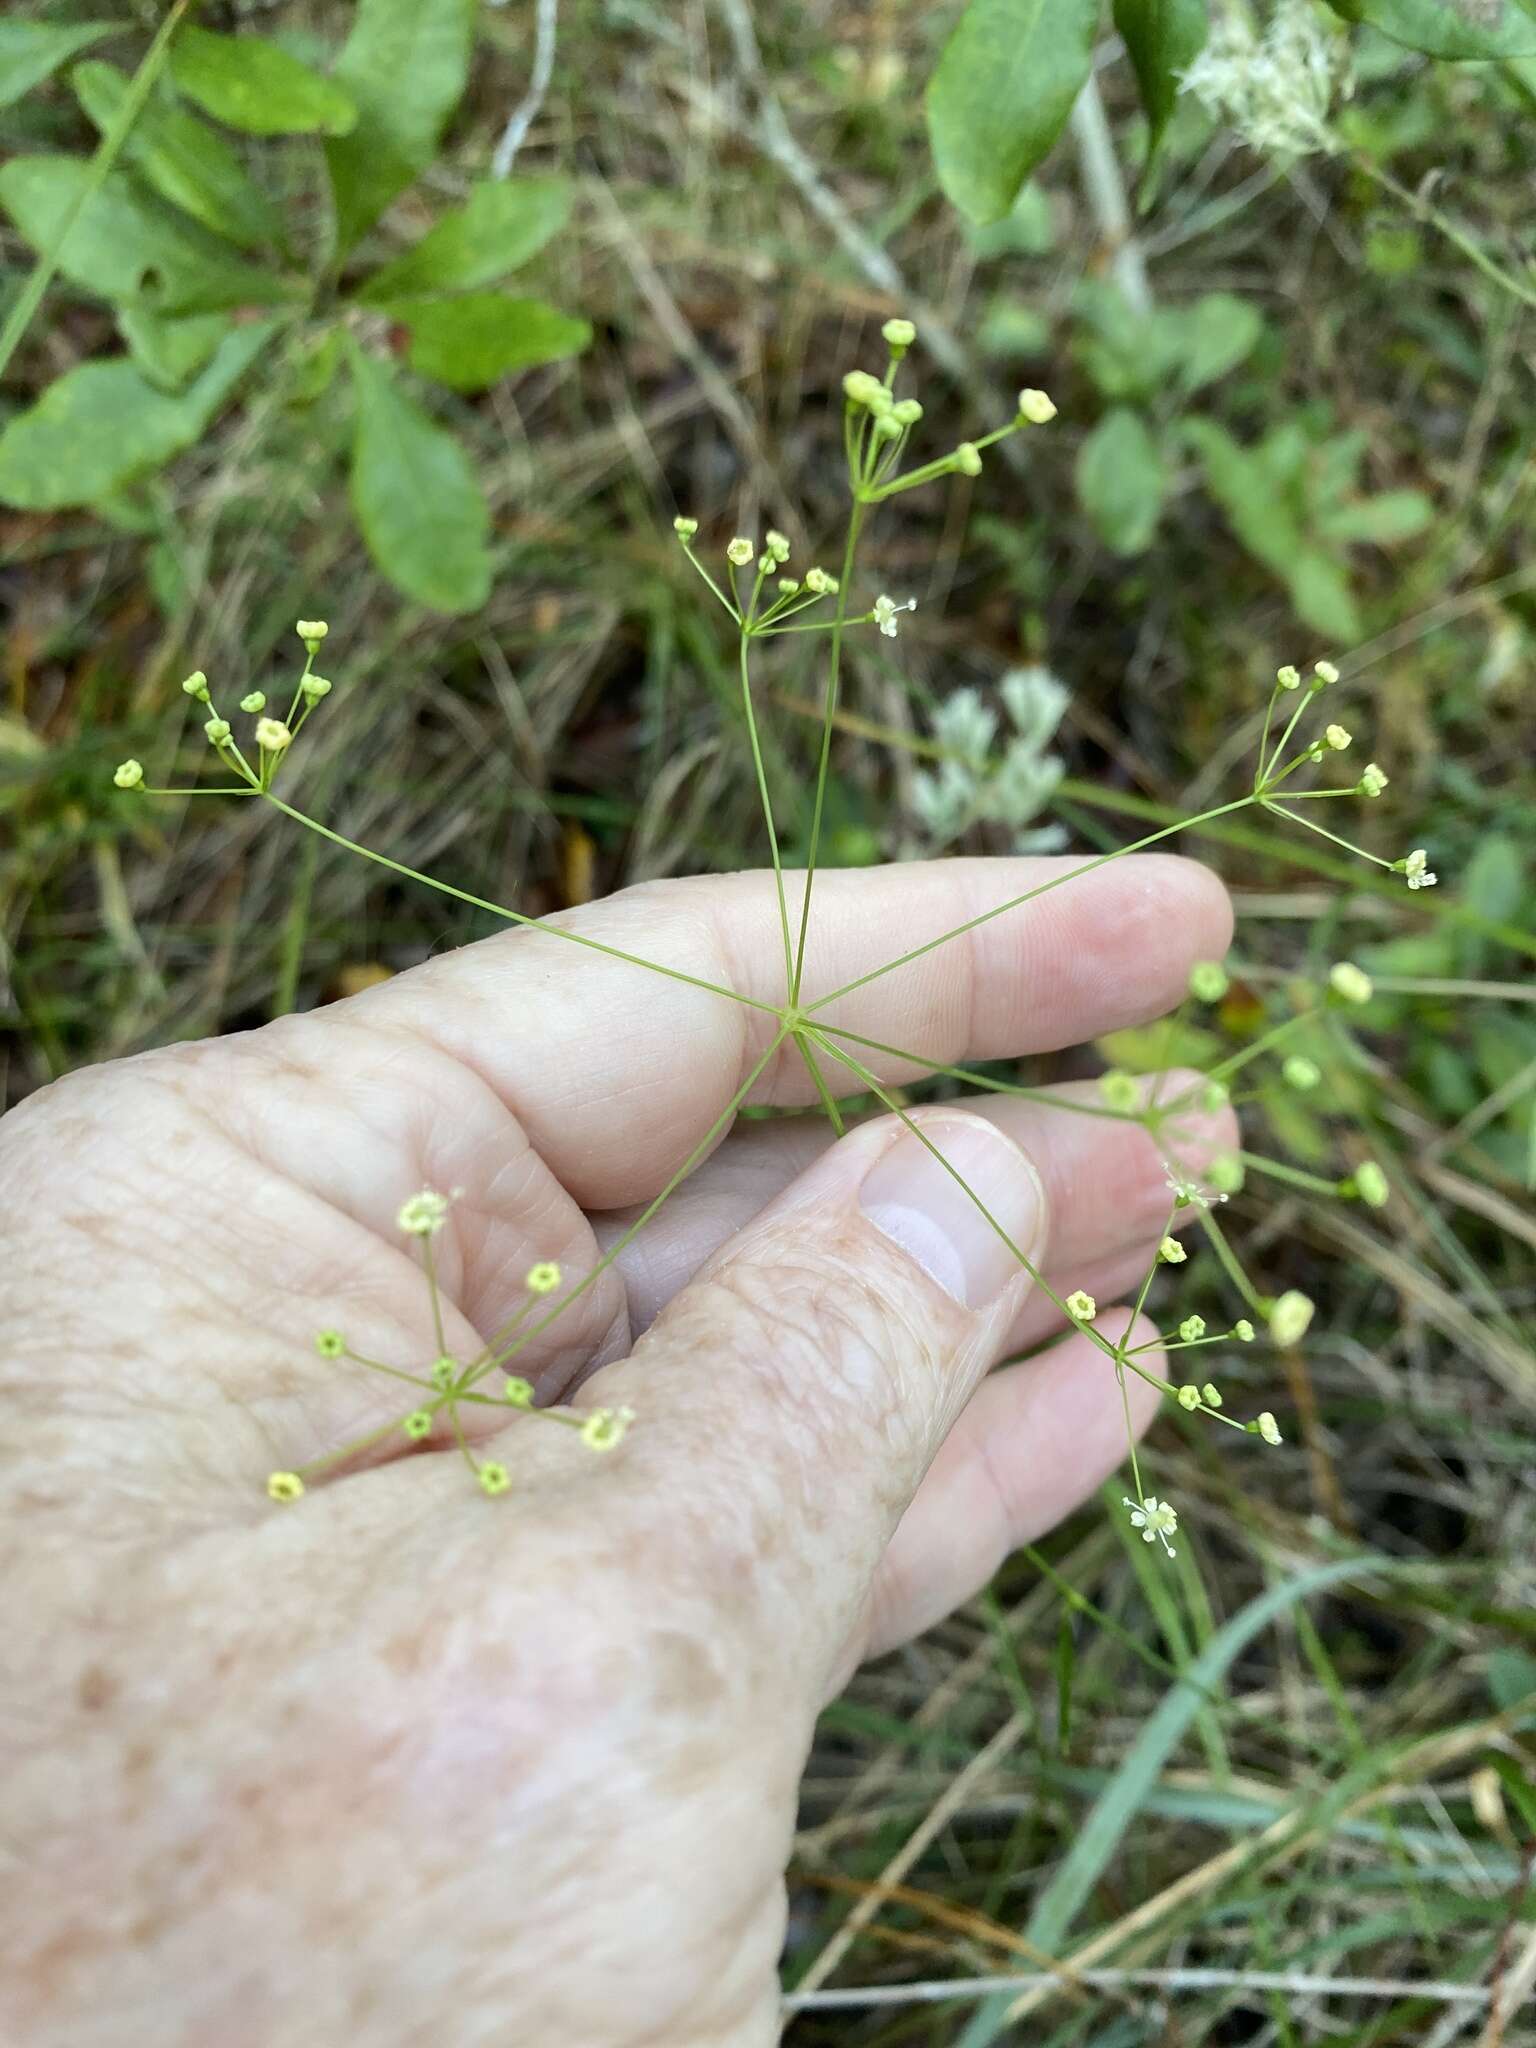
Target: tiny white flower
x: 311, y: 631
x: 1269, y: 1429
x: 685, y: 528
x: 217, y: 730
x: 887, y: 611
x: 1372, y: 781
x: 1192, y: 1329
x: 1416, y: 868
x: 1171, y: 1252
x: 1188, y: 1397
x: 899, y: 335
x: 777, y: 545
x: 739, y: 552
x: 1037, y: 407
x: 128, y: 774
x: 272, y: 735
x: 254, y: 700
x: 1081, y: 1305
x: 1325, y: 672
x: 1156, y: 1519
x: 1288, y: 678
x: 1338, y: 738
x: 196, y: 685
x: 1242, y: 1330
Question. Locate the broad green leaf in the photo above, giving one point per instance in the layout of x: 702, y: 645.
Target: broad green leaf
x: 1219, y: 331
x: 1393, y: 515
x: 414, y: 492
x: 1494, y: 880
x: 1243, y: 483
x: 1468, y: 29
x: 31, y: 50
x: 1121, y: 482
x: 1114, y: 1812
x: 125, y: 245
x: 182, y: 159
x: 405, y: 64
x: 1322, y: 596
x: 169, y: 352
x: 468, y: 343
x: 1005, y: 84
x: 101, y: 424
x: 1162, y: 39
x: 253, y: 85
x: 499, y: 226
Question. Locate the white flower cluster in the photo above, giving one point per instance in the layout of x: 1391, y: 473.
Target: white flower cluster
x: 1278, y: 89
x: 972, y: 785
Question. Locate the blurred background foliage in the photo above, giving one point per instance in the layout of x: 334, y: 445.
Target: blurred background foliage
x: 308, y: 352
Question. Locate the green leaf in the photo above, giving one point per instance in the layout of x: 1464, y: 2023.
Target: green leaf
x: 1120, y: 481
x: 169, y: 352
x: 1101, y: 1834
x: 31, y: 50
x: 498, y: 227
x: 1162, y: 39
x: 1218, y: 332
x: 182, y: 159
x: 405, y: 64
x: 1467, y: 29
x: 1393, y: 515
x: 99, y: 425
x: 125, y: 245
x: 253, y: 85
x: 1005, y: 84
x: 468, y: 343
x: 416, y: 498
x: 1494, y: 880
x: 1322, y: 597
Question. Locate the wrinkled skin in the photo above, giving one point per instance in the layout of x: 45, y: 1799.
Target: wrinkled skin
x: 404, y: 1764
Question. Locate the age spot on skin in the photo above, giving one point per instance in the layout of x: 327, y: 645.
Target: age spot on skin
x: 96, y: 1690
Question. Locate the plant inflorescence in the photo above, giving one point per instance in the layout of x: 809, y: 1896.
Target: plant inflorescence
x: 764, y: 597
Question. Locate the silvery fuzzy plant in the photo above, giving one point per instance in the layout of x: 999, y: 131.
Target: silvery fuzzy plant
x: 973, y: 785
x: 756, y: 588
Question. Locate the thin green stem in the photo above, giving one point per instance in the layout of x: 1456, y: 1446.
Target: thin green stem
x: 1028, y: 896
x: 516, y: 917
x: 985, y: 1082
x: 812, y: 1067
x: 1323, y: 833
x: 108, y: 150
x: 824, y: 760
x: 1230, y: 1264
x: 762, y: 790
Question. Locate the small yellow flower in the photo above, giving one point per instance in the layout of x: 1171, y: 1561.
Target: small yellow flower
x: 254, y: 700
x: 313, y: 688
x: 1268, y: 1428
x: 285, y: 1486
x: 217, y: 730
x: 272, y: 736
x: 196, y: 685
x: 1372, y: 781
x: 685, y: 529
x: 1290, y: 1318
x: 1325, y: 672
x: 1171, y: 1252
x: 777, y: 545
x: 1242, y: 1330
x: 128, y: 774
x: 543, y: 1278
x: 606, y: 1428
x: 444, y: 1372
x: 1371, y: 1185
x: 311, y: 631
x: 493, y: 1478
x: 1081, y: 1305
x: 418, y: 1424
x: 1036, y: 407
x: 1119, y: 1089
x: 330, y: 1343
x: 1350, y: 982
x: 1192, y: 1329
x: 1210, y: 1394
x: 1338, y: 738
x: 898, y: 335
x: 1288, y: 678
x: 518, y: 1392
x: 739, y: 552
x: 1189, y: 1397
x: 1208, y: 981
x: 424, y: 1214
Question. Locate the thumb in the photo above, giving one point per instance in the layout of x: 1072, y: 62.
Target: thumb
x: 795, y: 1393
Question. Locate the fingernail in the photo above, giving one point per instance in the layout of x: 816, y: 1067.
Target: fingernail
x: 919, y: 1204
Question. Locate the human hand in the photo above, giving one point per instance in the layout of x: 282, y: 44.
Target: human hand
x: 404, y: 1764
